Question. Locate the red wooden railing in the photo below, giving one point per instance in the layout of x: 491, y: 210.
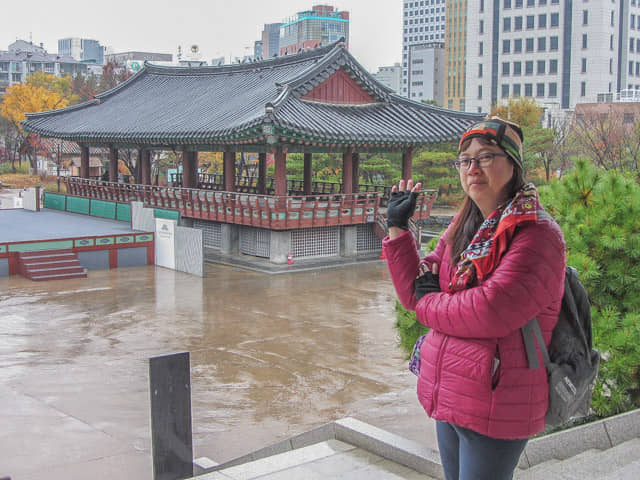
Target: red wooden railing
x: 275, y: 213
x: 249, y: 184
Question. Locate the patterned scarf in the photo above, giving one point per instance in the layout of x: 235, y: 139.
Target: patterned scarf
x: 493, y: 238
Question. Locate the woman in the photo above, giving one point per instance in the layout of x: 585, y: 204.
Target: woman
x: 500, y: 263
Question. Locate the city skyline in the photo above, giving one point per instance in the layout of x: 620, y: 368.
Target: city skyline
x: 219, y: 28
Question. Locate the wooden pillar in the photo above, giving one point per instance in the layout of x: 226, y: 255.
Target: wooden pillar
x: 113, y: 164
x: 137, y: 173
x: 229, y: 170
x: 280, y: 173
x: 84, y: 162
x: 262, y: 173
x: 356, y: 172
x: 308, y: 174
x: 145, y: 167
x: 407, y: 158
x: 189, y: 169
x: 347, y: 171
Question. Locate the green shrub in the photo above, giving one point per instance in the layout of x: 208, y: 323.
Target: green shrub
x: 5, y: 168
x: 599, y: 211
x: 409, y: 329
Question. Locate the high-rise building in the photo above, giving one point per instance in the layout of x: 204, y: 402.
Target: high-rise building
x: 271, y: 40
x: 319, y: 26
x: 257, y: 49
x: 423, y: 23
x: 425, y: 75
x: 456, y: 54
x: 390, y: 76
x: 558, y: 52
x: 82, y: 49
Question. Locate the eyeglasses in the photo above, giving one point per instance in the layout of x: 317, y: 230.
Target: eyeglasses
x: 483, y: 160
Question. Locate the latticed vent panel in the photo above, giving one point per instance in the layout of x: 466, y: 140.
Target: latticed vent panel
x: 255, y: 242
x: 315, y: 242
x: 367, y: 240
x: 212, y: 233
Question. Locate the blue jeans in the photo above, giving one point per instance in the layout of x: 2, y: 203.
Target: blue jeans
x: 468, y: 455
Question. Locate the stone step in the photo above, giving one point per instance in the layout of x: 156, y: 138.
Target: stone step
x: 49, y: 259
x: 628, y: 472
x: 59, y: 276
x: 59, y: 269
x: 71, y: 262
x: 594, y: 464
x: 542, y: 470
x: 331, y: 459
x: 591, y: 464
x: 50, y: 265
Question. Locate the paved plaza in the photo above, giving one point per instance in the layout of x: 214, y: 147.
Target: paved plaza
x: 271, y: 357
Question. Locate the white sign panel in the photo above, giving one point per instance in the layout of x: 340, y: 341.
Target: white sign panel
x: 165, y: 243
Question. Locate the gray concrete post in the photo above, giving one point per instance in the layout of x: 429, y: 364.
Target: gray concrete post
x: 349, y: 241
x: 171, y: 439
x: 280, y: 246
x: 229, y: 243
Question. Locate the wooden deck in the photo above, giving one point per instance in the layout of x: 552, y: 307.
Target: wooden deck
x: 264, y: 211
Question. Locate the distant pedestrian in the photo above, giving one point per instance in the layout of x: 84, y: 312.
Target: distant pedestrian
x: 500, y: 263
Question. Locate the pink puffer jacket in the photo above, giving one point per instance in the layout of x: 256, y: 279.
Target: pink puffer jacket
x: 474, y: 372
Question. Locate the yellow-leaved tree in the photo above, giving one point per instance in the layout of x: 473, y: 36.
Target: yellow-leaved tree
x: 41, y: 92
x: 538, y: 141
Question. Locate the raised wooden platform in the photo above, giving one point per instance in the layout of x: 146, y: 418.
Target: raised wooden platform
x: 263, y: 211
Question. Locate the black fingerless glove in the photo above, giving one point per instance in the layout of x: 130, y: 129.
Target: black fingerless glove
x: 426, y: 283
x: 400, y: 209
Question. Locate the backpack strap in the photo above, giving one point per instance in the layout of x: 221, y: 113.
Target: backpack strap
x: 530, y: 331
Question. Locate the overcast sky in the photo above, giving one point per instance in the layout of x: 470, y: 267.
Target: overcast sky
x: 219, y: 27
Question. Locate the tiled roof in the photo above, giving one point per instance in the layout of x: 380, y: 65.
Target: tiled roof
x: 67, y: 147
x: 255, y: 103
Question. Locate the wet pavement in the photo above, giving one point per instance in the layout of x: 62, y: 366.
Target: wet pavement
x: 271, y: 357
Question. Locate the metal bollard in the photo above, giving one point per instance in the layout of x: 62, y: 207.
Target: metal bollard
x: 171, y: 441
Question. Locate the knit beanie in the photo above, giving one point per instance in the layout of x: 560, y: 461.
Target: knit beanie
x: 507, y: 135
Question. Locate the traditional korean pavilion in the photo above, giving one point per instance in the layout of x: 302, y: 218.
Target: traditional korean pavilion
x: 319, y: 100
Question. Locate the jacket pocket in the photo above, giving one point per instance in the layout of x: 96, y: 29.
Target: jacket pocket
x: 497, y: 370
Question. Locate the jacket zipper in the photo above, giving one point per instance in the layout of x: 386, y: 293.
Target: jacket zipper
x: 436, y: 387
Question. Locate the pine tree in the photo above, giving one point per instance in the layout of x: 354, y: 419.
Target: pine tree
x: 599, y: 212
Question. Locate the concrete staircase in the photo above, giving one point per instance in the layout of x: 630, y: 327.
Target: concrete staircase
x: 50, y: 265
x: 607, y: 449
x: 621, y: 462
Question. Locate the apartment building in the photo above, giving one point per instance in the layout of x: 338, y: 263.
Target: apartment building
x: 25, y: 58
x: 423, y: 28
x: 390, y: 76
x: 559, y: 52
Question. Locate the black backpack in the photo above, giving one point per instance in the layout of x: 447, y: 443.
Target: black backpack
x: 571, y: 361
